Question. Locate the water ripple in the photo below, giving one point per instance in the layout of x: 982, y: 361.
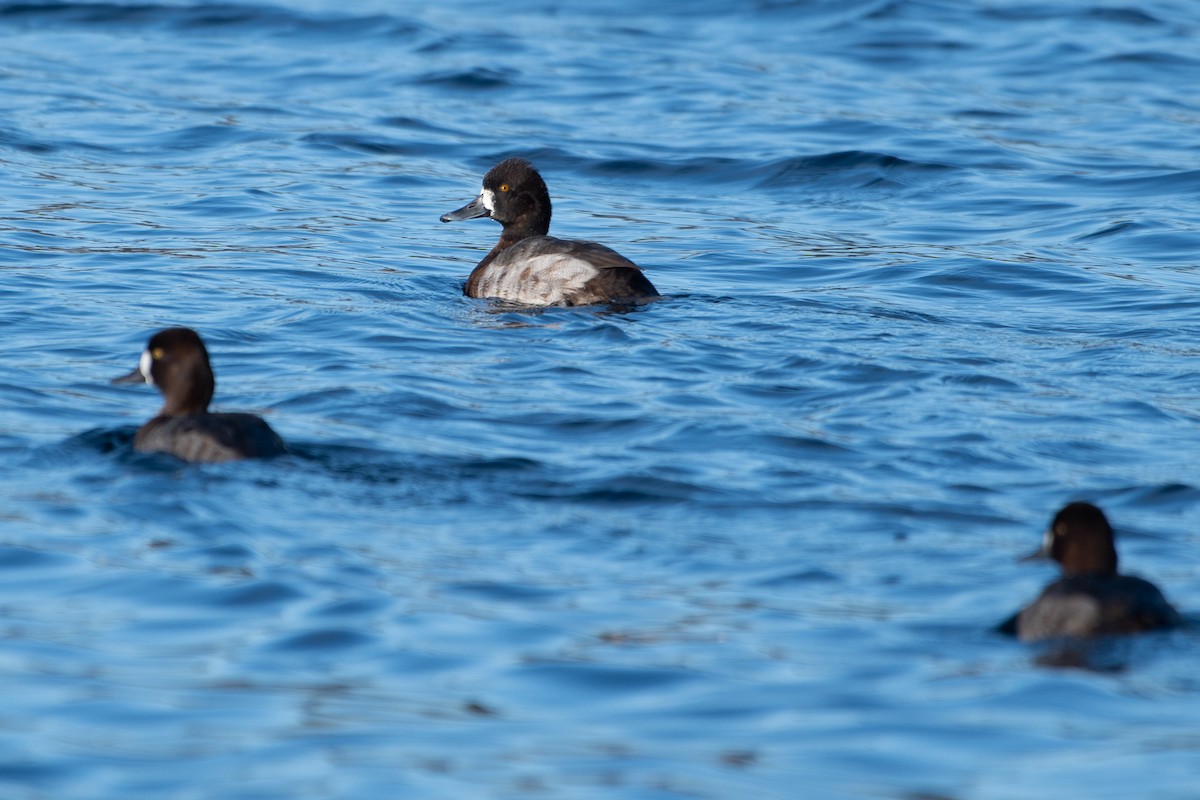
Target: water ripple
x: 930, y: 272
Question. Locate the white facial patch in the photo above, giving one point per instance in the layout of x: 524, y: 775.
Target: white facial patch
x: 1048, y: 542
x: 488, y: 199
x: 144, y: 366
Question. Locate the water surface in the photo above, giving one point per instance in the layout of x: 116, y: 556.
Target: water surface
x: 931, y: 270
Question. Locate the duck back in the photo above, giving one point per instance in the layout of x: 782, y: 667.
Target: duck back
x: 210, y: 437
x: 544, y: 270
x: 1089, y: 605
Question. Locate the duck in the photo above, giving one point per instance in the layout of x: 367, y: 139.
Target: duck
x: 175, y: 361
x: 1091, y: 599
x: 528, y: 266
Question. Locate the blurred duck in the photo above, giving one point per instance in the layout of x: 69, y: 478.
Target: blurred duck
x: 176, y: 363
x: 1091, y: 598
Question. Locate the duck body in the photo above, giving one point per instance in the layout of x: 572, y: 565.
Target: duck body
x: 1091, y: 598
x: 545, y: 271
x: 529, y: 267
x: 176, y: 362
x: 209, y: 437
x: 1083, y: 606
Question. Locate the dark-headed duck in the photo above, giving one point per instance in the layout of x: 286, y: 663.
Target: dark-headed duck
x: 1091, y: 598
x: 176, y: 362
x: 530, y: 268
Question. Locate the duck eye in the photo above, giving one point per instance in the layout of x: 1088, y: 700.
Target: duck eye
x: 156, y: 353
x: 504, y: 187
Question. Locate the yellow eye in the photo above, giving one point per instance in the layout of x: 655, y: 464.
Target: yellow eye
x: 156, y: 353
x: 504, y: 187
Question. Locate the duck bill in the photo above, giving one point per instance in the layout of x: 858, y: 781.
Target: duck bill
x: 134, y: 377
x: 144, y: 371
x: 472, y: 210
x: 1042, y: 553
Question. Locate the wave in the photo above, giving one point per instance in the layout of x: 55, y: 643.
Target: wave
x: 223, y: 17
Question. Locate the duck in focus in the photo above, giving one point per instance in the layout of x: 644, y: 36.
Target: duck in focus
x: 529, y: 267
x: 1091, y: 598
x: 175, y: 361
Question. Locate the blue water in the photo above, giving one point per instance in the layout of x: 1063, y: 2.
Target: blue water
x: 932, y: 269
